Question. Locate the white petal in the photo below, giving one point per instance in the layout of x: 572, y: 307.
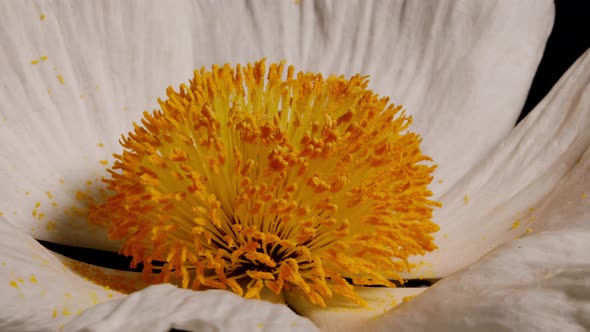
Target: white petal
x: 162, y: 307
x: 38, y: 292
x: 538, y: 283
x: 340, y: 315
x: 462, y: 68
x: 456, y: 65
x: 504, y: 189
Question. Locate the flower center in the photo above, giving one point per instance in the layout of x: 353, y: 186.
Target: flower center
x: 249, y: 179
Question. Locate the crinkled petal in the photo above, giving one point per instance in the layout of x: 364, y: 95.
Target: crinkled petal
x: 498, y: 200
x: 163, y: 307
x: 38, y: 292
x: 340, y: 315
x: 538, y: 283
x: 76, y: 74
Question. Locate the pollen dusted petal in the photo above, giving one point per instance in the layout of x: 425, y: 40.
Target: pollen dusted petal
x: 251, y: 178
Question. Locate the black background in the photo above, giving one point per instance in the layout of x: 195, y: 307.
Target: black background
x: 568, y: 41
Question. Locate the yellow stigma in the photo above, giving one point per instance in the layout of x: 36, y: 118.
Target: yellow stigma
x: 250, y: 178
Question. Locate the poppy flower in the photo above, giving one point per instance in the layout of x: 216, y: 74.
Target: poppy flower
x: 513, y: 231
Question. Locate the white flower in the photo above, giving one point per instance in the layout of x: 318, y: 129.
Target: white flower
x: 74, y: 75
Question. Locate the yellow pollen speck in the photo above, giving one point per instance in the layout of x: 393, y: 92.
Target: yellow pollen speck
x: 33, y: 279
x: 1, y: 213
x: 259, y: 325
x: 440, y: 181
x: 110, y: 295
x: 68, y: 295
x: 528, y: 230
x: 42, y: 17
x: 407, y: 298
x: 253, y: 178
x: 27, y: 193
x: 65, y: 312
x: 3, y: 263
x: 60, y: 79
x: 584, y: 195
x: 13, y: 284
x: 62, y: 181
x: 21, y: 280
x: 466, y: 199
x: 104, y: 162
x: 34, y: 62
x: 515, y: 224
x: 37, y: 205
x: 54, y: 313
x: 49, y: 194
x: 94, y: 298
x: 44, y: 57
x: 100, y: 145
x: 49, y: 91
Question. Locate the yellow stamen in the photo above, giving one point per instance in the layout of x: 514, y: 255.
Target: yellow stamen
x: 250, y: 178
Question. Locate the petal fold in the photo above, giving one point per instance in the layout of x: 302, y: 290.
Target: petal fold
x: 498, y: 200
x: 160, y: 308
x: 541, y: 281
x: 340, y: 315
x: 538, y: 283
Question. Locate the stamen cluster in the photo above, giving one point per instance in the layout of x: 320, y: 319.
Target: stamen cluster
x: 250, y: 178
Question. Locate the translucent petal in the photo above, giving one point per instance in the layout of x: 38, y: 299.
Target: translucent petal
x: 163, y: 307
